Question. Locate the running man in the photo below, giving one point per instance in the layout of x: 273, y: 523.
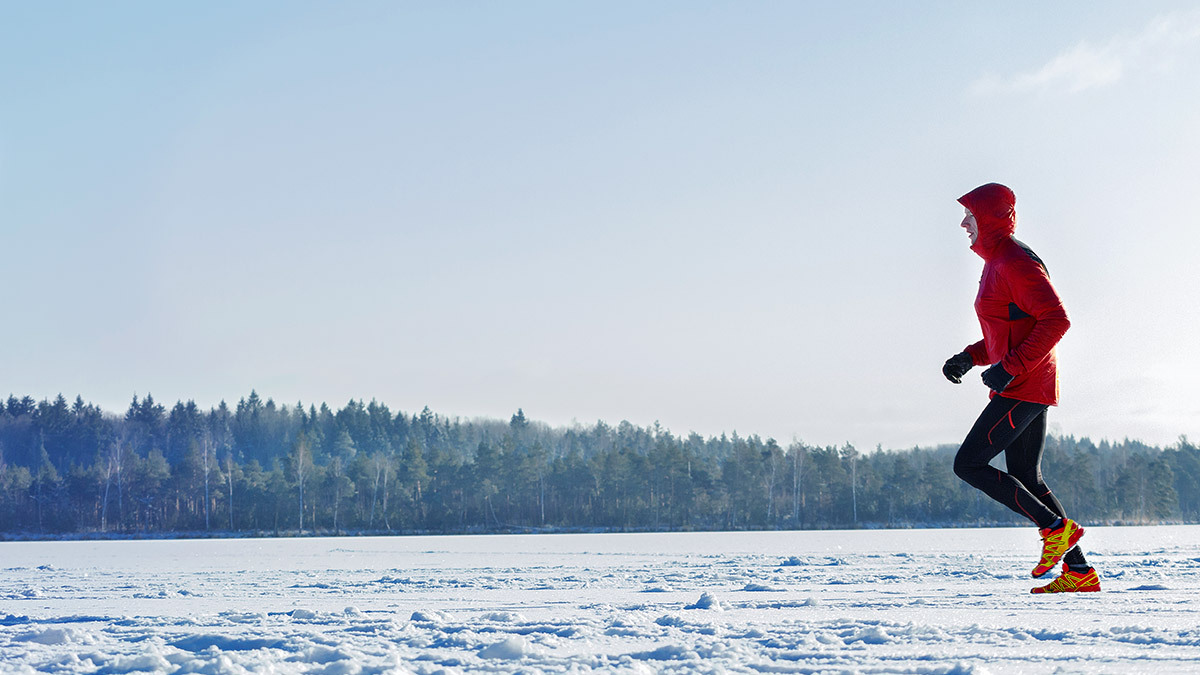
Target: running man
x: 1022, y: 319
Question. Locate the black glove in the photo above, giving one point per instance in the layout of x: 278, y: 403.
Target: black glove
x: 957, y: 366
x: 997, y: 378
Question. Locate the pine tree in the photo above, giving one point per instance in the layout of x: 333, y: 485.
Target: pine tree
x: 45, y: 485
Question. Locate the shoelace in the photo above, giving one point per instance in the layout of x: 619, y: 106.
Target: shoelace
x: 1055, y: 544
x: 1064, y: 583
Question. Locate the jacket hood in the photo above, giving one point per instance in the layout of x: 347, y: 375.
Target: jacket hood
x: 994, y: 208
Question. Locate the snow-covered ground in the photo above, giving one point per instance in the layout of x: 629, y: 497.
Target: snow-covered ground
x: 900, y: 601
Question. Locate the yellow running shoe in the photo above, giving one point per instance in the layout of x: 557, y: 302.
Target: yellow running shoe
x: 1056, y: 543
x: 1072, y: 582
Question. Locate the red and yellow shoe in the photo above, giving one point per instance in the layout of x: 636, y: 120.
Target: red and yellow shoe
x: 1056, y: 543
x: 1072, y: 582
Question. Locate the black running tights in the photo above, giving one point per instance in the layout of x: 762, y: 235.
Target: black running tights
x: 1018, y: 429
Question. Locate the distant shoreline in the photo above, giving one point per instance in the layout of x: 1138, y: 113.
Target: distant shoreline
x: 9, y: 537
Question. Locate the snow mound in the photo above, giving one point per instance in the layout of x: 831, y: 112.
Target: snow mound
x: 761, y: 588
x: 429, y: 616
x: 153, y: 663
x: 243, y: 617
x: 509, y: 649
x: 343, y: 667
x: 667, y: 653
x: 217, y: 664
x: 967, y: 669
x: 1150, y: 587
x: 304, y: 615
x: 502, y: 617
x: 873, y: 635
x: 49, y: 636
x: 706, y: 601
x: 202, y: 642
x: 323, y: 654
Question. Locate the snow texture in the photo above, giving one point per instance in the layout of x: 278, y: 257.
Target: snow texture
x: 934, y: 602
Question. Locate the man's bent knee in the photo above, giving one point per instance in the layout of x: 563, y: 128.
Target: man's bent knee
x: 966, y: 469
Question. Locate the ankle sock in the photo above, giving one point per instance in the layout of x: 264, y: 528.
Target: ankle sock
x: 1075, y: 560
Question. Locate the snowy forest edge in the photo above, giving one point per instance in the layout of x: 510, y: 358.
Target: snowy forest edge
x: 262, y: 469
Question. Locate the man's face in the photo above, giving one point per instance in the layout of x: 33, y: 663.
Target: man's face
x: 972, y: 228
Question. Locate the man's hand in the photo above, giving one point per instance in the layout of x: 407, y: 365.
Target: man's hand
x: 997, y: 378
x: 957, y: 366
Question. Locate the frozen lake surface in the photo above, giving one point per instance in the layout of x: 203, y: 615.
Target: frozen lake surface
x: 898, y: 601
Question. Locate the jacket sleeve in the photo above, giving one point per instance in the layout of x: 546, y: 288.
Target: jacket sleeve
x: 1034, y: 295
x: 978, y: 352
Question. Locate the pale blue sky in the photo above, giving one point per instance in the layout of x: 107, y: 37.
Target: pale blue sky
x: 720, y: 216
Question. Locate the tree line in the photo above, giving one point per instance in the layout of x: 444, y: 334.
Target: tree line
x: 261, y: 468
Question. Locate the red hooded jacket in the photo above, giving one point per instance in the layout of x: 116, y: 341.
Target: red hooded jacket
x: 1020, y: 312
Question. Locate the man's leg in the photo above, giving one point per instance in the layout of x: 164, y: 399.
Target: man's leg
x: 1001, y: 423
x: 1024, y: 458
